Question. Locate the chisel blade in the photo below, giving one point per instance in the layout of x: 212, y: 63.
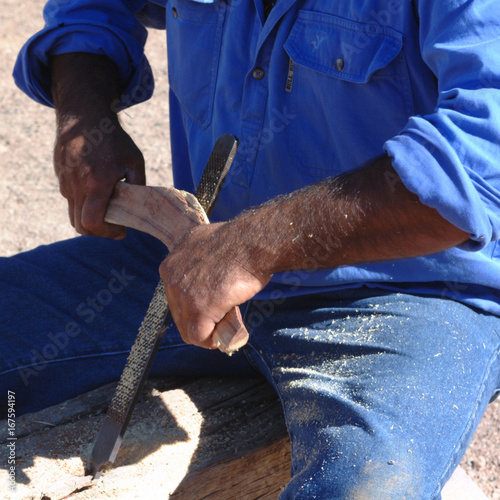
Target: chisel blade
x: 153, y: 327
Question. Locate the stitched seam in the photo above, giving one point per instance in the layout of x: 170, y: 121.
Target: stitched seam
x: 268, y: 377
x: 73, y: 358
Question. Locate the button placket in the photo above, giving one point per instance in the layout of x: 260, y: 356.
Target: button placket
x: 255, y: 92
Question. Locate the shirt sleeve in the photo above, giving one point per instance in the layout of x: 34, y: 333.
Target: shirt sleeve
x: 109, y: 27
x: 451, y: 158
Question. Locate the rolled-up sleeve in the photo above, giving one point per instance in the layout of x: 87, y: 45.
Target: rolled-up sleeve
x: 451, y: 157
x: 108, y: 28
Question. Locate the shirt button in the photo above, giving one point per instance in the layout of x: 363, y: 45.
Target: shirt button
x: 174, y: 12
x: 258, y: 73
x: 339, y: 64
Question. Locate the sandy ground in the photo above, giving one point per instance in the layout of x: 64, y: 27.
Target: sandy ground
x: 29, y: 197
x: 34, y: 213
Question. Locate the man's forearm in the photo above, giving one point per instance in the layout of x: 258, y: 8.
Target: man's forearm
x: 364, y: 216
x: 92, y: 150
x: 84, y: 86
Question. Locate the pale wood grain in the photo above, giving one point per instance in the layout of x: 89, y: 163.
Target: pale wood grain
x: 168, y: 214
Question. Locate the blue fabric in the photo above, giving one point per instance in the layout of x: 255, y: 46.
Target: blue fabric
x: 343, y: 82
x: 410, y: 79
x: 381, y: 390
x: 75, y: 307
x: 384, y: 370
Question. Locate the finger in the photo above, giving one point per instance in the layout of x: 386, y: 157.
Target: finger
x: 69, y: 199
x: 77, y: 217
x: 93, y: 212
x: 199, y: 332
x: 71, y: 211
x: 75, y: 201
x: 194, y: 328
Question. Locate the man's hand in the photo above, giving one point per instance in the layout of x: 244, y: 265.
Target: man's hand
x: 92, y: 150
x: 205, y: 276
x: 89, y: 160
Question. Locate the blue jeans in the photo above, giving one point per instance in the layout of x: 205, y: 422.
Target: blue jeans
x: 381, y: 391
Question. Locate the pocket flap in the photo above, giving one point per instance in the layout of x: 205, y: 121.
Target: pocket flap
x: 345, y: 49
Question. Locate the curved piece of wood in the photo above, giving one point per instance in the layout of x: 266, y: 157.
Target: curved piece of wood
x: 167, y: 214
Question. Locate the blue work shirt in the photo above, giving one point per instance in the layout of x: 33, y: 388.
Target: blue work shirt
x: 316, y: 90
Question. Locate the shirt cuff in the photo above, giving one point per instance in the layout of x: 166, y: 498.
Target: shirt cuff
x: 430, y: 167
x: 32, y: 73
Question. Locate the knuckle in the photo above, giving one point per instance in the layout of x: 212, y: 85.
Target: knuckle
x: 165, y: 271
x: 195, y: 334
x: 91, y: 225
x: 68, y: 155
x: 93, y: 185
x: 63, y: 190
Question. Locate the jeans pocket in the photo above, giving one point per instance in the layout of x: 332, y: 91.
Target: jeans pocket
x: 194, y: 35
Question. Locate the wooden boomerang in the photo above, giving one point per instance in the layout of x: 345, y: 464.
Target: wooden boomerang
x: 167, y: 214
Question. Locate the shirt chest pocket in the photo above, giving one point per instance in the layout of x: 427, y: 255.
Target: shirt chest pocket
x: 350, y: 91
x: 194, y: 35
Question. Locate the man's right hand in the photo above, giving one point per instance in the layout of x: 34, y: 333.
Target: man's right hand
x: 89, y: 159
x: 92, y: 151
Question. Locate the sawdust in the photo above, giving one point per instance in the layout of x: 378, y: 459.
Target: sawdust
x: 34, y: 213
x: 159, y: 450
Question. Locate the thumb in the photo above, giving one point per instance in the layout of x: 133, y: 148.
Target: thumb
x: 136, y: 174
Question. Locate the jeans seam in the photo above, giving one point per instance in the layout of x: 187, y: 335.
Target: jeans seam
x: 246, y: 313
x: 72, y: 358
x: 471, y: 419
x: 273, y: 383
x: 255, y: 351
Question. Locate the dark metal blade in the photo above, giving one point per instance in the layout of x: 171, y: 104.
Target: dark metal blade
x: 155, y: 323
x: 215, y: 172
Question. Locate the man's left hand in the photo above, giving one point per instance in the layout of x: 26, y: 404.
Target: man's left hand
x: 205, y: 276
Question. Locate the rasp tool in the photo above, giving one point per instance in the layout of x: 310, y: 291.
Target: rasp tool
x: 158, y: 316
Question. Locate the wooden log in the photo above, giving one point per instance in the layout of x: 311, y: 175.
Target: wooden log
x: 168, y: 214
x: 261, y: 474
x: 178, y: 426
x: 189, y: 439
x: 93, y: 402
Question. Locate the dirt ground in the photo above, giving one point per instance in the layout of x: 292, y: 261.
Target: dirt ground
x: 34, y: 213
